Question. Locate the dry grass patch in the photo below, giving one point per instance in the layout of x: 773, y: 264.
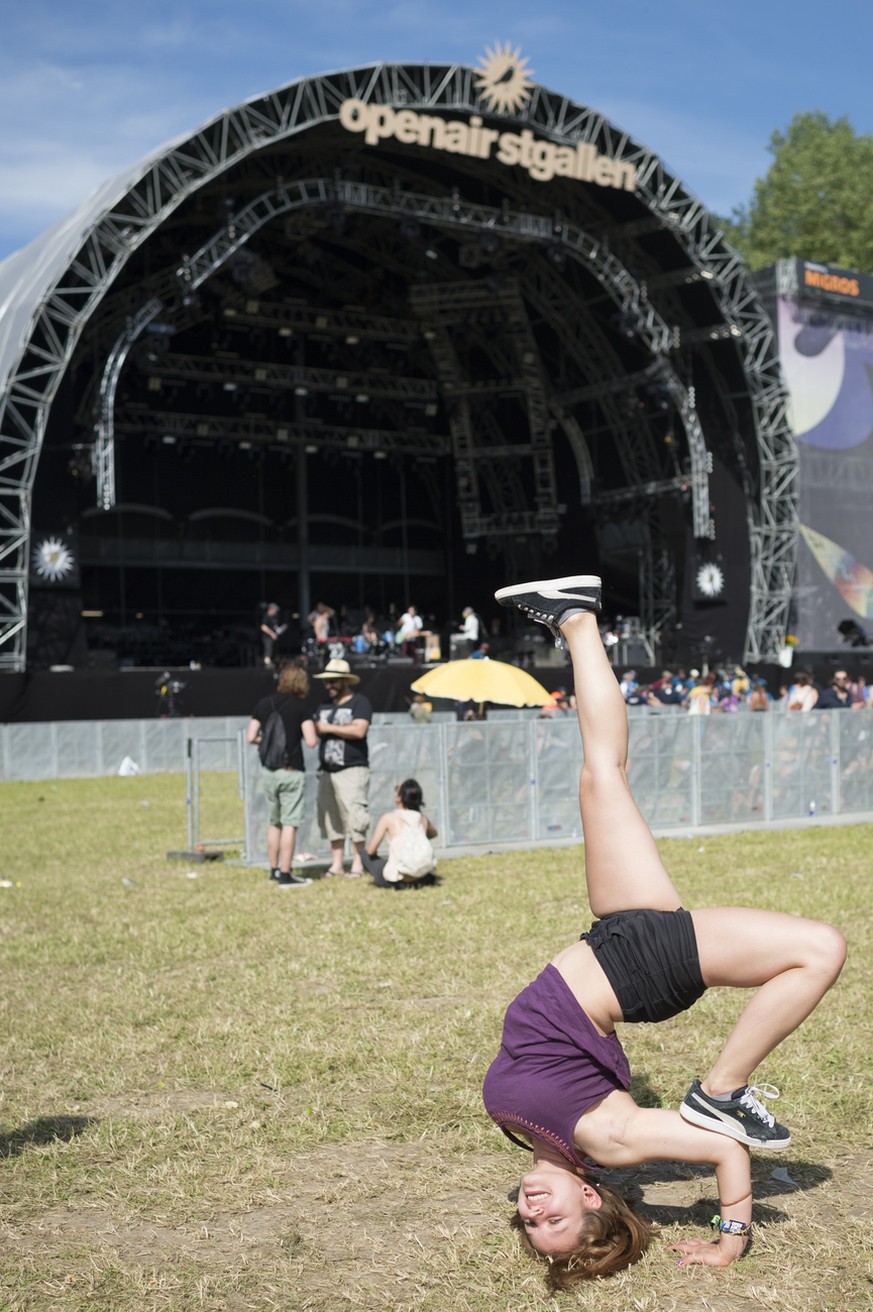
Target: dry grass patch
x: 222, y: 1096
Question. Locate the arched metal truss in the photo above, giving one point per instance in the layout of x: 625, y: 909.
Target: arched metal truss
x: 34, y: 363
x: 446, y: 304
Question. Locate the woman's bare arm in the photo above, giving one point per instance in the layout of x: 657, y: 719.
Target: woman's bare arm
x: 623, y: 1134
x: 378, y: 834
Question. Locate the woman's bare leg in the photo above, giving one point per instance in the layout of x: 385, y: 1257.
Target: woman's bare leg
x: 623, y: 867
x: 792, y: 962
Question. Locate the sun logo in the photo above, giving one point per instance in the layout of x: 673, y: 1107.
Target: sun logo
x: 504, y: 83
x: 710, y: 580
x: 52, y: 560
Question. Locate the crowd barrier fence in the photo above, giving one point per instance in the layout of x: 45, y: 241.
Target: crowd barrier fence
x: 503, y: 781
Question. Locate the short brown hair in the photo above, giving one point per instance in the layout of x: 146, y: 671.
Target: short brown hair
x: 612, y: 1237
x: 293, y: 679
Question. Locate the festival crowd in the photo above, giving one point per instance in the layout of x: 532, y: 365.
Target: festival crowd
x: 722, y: 691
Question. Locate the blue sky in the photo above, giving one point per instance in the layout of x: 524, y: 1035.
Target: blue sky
x: 87, y: 87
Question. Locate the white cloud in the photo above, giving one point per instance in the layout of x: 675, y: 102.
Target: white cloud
x: 87, y: 87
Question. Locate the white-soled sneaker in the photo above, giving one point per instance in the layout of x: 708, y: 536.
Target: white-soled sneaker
x: 551, y: 600
x: 741, y: 1116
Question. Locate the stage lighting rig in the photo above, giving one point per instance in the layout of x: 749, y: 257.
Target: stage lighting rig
x: 853, y: 634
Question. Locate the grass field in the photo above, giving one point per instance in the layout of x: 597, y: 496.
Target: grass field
x: 218, y: 1095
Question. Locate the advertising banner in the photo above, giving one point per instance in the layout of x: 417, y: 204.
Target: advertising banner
x: 827, y: 361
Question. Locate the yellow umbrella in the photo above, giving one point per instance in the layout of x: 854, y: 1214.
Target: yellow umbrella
x: 482, y: 681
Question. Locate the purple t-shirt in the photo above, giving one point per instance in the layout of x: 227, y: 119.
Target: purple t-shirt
x: 552, y: 1066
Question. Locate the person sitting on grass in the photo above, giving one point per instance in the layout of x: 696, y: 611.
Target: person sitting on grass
x: 560, y: 1080
x: 410, y: 862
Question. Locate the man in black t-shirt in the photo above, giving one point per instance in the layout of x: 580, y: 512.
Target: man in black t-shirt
x: 285, y: 788
x: 838, y: 696
x: 342, y: 724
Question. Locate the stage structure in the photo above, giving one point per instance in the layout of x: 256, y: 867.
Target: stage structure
x: 825, y: 321
x: 369, y: 331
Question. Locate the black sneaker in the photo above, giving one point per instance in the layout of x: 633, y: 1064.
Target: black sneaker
x: 274, y: 874
x: 741, y: 1116
x: 292, y: 881
x: 550, y: 600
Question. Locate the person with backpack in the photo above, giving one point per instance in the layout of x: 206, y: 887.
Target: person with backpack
x: 280, y: 724
x: 410, y: 861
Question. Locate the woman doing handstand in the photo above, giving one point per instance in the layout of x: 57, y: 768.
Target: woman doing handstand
x: 561, y: 1078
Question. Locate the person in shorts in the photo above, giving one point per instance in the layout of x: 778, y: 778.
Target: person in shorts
x: 559, y: 1085
x: 342, y: 723
x: 285, y: 788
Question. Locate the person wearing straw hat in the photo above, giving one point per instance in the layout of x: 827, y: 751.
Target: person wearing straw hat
x: 342, y: 724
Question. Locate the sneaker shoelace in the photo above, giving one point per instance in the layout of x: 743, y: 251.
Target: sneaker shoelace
x: 750, y: 1101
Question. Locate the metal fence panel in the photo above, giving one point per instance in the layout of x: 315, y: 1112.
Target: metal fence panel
x: 855, y: 761
x: 218, y: 796
x: 802, y: 763
x: 488, y: 781
x: 557, y: 759
x: 661, y: 767
x: 76, y: 748
x: 504, y: 780
x: 733, y: 761
x: 31, y: 752
x: 217, y: 742
x: 163, y: 745
x: 117, y: 740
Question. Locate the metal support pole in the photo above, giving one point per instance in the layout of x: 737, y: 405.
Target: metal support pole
x: 304, y: 582
x: 533, y: 777
x: 443, y: 783
x: 696, y: 780
x: 768, y: 765
x: 836, y: 762
x: 189, y: 790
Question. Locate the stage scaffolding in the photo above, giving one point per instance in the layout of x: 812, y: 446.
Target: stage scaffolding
x: 79, y: 277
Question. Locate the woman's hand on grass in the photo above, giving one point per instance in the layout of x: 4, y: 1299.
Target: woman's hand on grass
x: 703, y: 1252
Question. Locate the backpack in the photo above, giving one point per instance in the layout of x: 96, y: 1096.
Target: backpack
x: 273, y: 747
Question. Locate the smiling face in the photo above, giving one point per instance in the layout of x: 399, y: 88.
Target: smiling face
x: 552, y: 1204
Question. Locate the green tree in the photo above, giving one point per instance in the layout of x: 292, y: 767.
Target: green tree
x: 816, y: 200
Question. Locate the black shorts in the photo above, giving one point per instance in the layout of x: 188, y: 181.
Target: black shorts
x: 650, y: 959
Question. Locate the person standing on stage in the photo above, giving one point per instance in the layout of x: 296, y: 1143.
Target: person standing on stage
x: 471, y: 629
x: 410, y: 627
x: 320, y: 619
x: 272, y: 629
x: 342, y: 724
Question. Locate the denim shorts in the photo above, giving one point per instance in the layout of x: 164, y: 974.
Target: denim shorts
x: 650, y: 959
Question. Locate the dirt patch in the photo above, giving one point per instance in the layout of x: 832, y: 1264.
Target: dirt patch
x: 373, y: 1225
x: 359, y: 1220
x: 138, y: 1105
